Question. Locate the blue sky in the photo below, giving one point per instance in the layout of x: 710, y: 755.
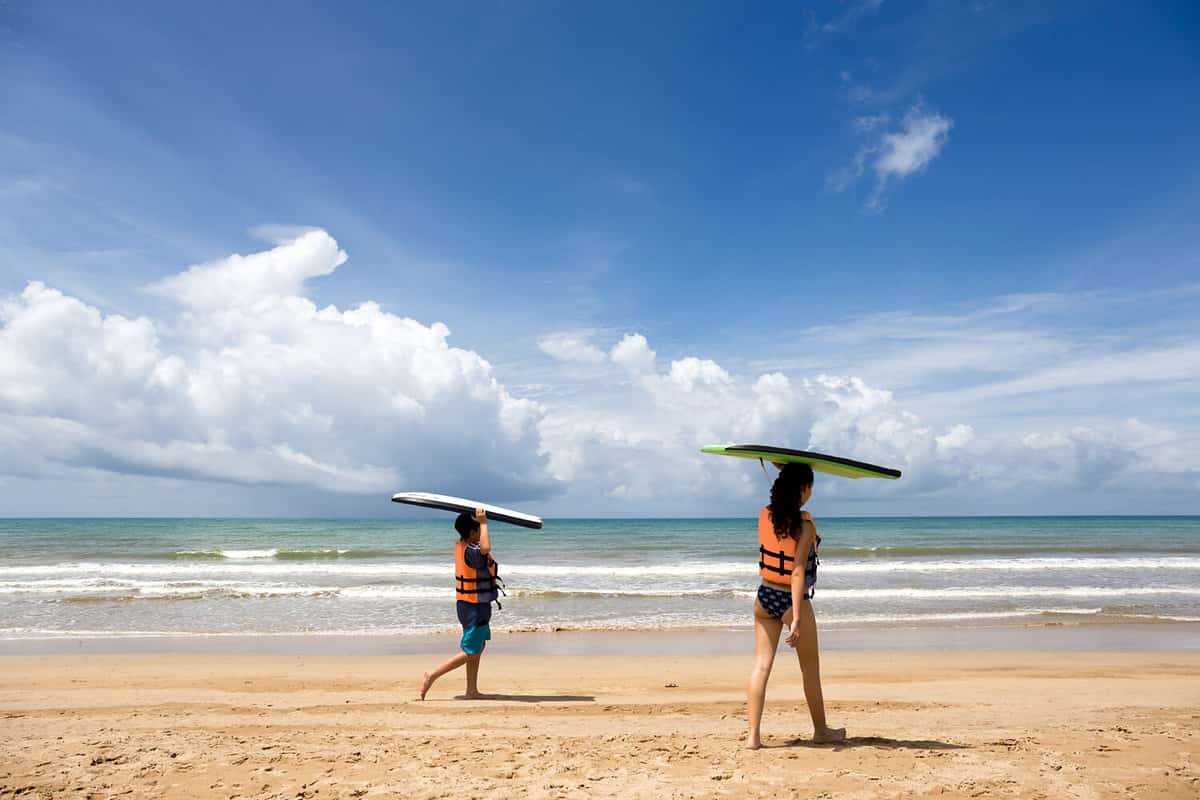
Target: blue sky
x: 986, y: 210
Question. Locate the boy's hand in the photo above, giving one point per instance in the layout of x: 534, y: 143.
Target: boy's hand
x: 480, y: 516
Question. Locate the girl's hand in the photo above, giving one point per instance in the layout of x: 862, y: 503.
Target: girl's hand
x: 793, y: 638
x: 480, y: 516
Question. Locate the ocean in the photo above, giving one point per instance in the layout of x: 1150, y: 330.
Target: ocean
x: 205, y: 577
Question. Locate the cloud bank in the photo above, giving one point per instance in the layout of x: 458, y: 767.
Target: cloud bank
x: 250, y: 382
x: 244, y: 380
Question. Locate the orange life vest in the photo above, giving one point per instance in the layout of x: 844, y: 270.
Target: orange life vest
x: 777, y: 557
x: 468, y: 581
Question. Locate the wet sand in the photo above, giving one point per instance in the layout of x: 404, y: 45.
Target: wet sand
x: 1123, y: 637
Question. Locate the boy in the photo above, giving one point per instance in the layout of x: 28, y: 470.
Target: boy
x: 475, y: 588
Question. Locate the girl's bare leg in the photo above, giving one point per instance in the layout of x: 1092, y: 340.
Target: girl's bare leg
x: 473, y: 674
x: 766, y: 640
x: 452, y: 663
x: 810, y: 666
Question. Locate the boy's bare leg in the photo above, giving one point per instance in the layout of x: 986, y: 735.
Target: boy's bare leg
x: 473, y: 674
x: 452, y: 663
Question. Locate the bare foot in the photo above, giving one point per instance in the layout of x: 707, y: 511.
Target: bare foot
x: 426, y: 682
x: 753, y: 744
x: 828, y: 735
x: 473, y: 696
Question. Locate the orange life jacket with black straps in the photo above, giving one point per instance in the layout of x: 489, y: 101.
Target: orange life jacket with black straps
x: 469, y: 582
x: 777, y: 557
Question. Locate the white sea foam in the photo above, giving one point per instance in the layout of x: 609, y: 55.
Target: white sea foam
x: 260, y: 554
x: 396, y: 592
x: 974, y: 592
x: 201, y: 569
x: 133, y: 589
x: 233, y: 554
x: 85, y: 633
x: 115, y: 589
x: 616, y: 591
x: 898, y: 593
x: 249, y: 553
x: 350, y: 569
x: 1016, y: 565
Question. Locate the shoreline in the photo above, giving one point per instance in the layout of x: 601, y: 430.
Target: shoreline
x: 1158, y: 636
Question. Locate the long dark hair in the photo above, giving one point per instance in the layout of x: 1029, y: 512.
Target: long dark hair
x: 785, y: 498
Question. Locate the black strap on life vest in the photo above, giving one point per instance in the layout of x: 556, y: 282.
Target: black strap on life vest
x: 810, y: 568
x: 498, y: 582
x: 778, y: 555
x: 485, y: 583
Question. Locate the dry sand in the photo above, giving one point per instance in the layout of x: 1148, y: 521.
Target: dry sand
x: 981, y: 724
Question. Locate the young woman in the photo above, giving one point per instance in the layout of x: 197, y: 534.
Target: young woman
x: 475, y: 590
x: 787, y: 537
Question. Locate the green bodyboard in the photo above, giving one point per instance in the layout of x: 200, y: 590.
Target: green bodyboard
x: 831, y: 465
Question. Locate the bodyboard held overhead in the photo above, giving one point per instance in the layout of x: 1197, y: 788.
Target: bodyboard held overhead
x: 460, y: 505
x: 831, y: 465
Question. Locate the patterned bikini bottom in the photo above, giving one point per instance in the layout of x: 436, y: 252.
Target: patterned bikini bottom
x: 776, y: 602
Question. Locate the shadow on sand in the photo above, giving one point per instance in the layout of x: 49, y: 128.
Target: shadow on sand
x: 537, y: 698
x: 881, y: 742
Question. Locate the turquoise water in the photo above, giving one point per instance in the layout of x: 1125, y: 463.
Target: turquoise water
x: 104, y: 577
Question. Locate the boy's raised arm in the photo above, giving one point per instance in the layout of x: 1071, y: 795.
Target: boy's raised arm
x: 485, y: 541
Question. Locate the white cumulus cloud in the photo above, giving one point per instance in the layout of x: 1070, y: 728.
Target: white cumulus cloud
x: 639, y: 447
x: 240, y: 281
x: 571, y: 347
x: 633, y: 352
x: 244, y: 380
x: 250, y: 382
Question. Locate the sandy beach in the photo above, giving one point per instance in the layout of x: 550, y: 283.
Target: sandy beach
x: 1013, y: 723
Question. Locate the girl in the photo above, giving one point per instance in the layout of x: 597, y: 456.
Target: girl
x: 784, y: 598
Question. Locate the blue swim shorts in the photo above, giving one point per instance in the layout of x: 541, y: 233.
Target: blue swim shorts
x: 474, y: 618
